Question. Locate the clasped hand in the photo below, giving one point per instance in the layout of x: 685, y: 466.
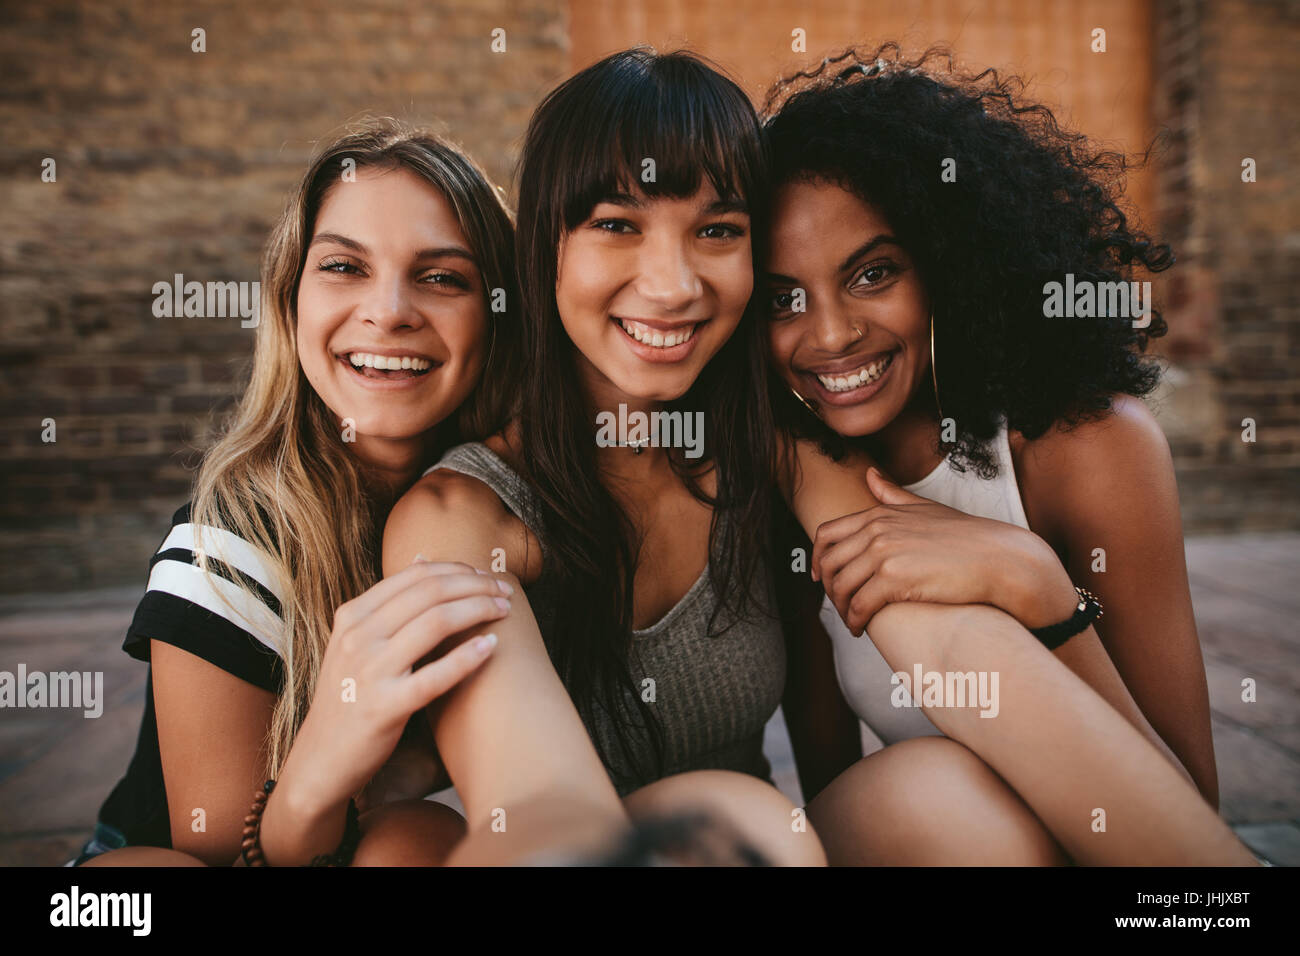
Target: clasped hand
x: 909, y: 548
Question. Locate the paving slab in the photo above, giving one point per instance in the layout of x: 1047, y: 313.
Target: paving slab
x: 1279, y: 843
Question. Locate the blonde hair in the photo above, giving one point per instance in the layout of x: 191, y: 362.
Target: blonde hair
x: 280, y: 477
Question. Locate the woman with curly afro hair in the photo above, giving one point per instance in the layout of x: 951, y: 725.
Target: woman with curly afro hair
x: 921, y: 217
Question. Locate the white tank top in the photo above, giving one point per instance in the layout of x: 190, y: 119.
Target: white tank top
x: 864, y: 677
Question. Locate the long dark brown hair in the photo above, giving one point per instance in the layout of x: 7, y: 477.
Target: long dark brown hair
x: 585, y: 141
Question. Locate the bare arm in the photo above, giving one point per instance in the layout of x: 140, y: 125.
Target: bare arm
x: 1110, y: 485
x: 211, y: 733
x: 1096, y: 784
x: 1063, y: 748
x: 913, y: 549
x: 510, y: 736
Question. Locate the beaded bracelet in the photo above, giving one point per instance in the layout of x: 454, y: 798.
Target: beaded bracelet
x: 250, y: 848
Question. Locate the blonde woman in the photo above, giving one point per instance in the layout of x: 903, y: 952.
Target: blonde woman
x: 275, y: 653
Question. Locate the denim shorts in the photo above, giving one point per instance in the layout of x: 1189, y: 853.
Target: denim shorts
x: 106, y: 838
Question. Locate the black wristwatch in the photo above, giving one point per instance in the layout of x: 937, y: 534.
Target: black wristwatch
x: 1088, y: 610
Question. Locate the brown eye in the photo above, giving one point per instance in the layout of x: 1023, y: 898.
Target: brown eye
x: 445, y: 279
x: 722, y: 230
x: 338, y: 266
x: 875, y: 274
x: 782, y: 304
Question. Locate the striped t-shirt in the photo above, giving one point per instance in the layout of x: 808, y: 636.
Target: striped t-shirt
x: 229, y: 615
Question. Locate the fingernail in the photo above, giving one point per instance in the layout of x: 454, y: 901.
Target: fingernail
x: 484, y: 644
x: 505, y: 588
x: 502, y: 603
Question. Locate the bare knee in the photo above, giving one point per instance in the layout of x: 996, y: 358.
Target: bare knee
x: 755, y: 811
x: 144, y: 856
x: 408, y: 833
x: 928, y: 801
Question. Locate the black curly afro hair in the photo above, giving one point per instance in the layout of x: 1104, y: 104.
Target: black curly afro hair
x: 1031, y: 203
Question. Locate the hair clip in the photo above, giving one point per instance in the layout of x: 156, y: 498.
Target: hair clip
x: 867, y: 70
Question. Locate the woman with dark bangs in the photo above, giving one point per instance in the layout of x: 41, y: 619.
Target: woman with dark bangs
x: 919, y: 222
x: 646, y: 620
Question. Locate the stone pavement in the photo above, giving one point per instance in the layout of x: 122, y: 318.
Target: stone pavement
x: 56, y: 766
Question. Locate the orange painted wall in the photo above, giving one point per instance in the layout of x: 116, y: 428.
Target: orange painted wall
x: 1106, y: 95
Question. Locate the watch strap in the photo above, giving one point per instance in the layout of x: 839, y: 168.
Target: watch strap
x: 1087, y: 610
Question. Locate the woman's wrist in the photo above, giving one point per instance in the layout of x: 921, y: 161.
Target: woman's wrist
x: 299, y: 824
x: 1037, y: 592
x: 1052, y: 607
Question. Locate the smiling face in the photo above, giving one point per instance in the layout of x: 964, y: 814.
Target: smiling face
x: 392, y: 317
x: 649, y: 289
x: 855, y: 278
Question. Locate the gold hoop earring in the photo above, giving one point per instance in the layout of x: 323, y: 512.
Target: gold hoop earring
x: 492, y: 341
x: 812, y: 409
x: 934, y: 375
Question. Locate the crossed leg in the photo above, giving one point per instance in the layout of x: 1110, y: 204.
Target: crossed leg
x: 928, y: 801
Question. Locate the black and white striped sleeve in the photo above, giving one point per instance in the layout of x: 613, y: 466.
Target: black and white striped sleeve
x: 229, y: 615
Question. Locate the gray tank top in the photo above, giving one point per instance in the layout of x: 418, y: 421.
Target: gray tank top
x: 713, y: 695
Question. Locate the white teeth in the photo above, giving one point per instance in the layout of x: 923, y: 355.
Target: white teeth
x: 383, y: 362
x: 656, y: 338
x: 864, y: 375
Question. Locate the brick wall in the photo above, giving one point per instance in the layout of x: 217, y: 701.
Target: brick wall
x: 1047, y: 42
x: 171, y: 161
x: 1226, y: 80
x: 1216, y: 78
